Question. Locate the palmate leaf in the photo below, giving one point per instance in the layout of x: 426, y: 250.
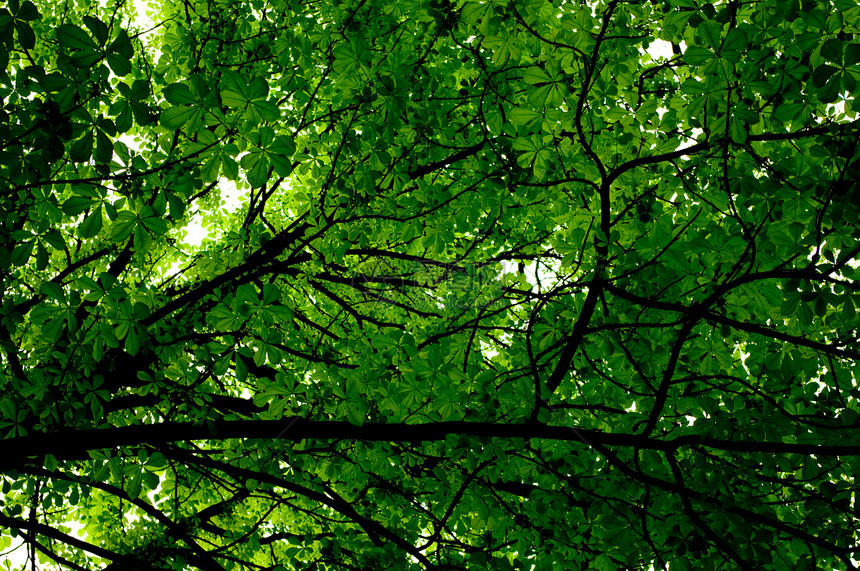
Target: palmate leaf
x: 178, y: 94
x: 346, y: 60
x: 104, y: 147
x: 262, y: 110
x: 72, y: 36
x: 139, y: 90
x: 123, y: 226
x: 21, y: 253
x: 77, y: 204
x: 97, y: 28
x: 710, y: 32
x: 120, y: 65
x: 233, y: 99
x: 283, y: 145
x: 736, y: 40
x: 258, y: 170
x: 82, y: 149
x: 141, y: 239
x: 86, y: 58
x: 829, y: 92
x: 91, y: 225
x: 695, y: 55
x: 523, y: 116
x: 26, y: 37
x: 121, y: 45
x: 154, y: 224
x: 27, y: 11
x: 124, y: 119
x: 282, y: 164
x: 533, y: 75
x: 822, y: 74
x: 419, y: 285
x: 177, y: 206
x: 180, y: 116
x: 211, y: 169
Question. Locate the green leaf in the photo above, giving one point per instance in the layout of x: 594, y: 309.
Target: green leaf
x: 124, y: 119
x: 104, y: 147
x: 159, y: 206
x: 107, y: 126
x: 258, y: 88
x: 120, y: 65
x: 123, y: 226
x: 264, y: 110
x: 26, y: 37
x: 710, y: 32
x: 53, y: 82
x: 697, y: 56
x: 355, y: 415
x: 74, y: 37
x: 822, y: 74
x: 21, y: 253
x: 41, y: 257
x: 55, y: 239
x: 832, y: 50
x: 233, y: 99
x: 736, y: 40
x: 848, y: 309
x: 283, y: 166
x: 852, y: 55
x: 155, y: 225
x: 135, y: 483
x: 82, y: 149
x: 250, y: 159
x: 738, y: 131
x: 178, y: 94
x: 830, y: 92
x: 91, y: 225
x: 142, y: 239
x: 230, y: 168
x: 533, y: 75
x: 156, y: 461
x: 122, y: 45
x: 86, y: 58
x: 27, y: 11
x: 77, y: 204
x: 139, y: 90
x: 210, y: 170
x: 53, y: 291
x: 177, y: 206
x: 283, y: 145
x: 258, y: 173
x: 177, y: 117
x: 142, y: 115
x: 97, y: 28
x: 523, y: 116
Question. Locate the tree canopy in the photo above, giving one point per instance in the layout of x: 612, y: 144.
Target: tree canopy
x: 485, y: 284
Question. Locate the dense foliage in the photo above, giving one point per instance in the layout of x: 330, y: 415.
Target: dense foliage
x: 505, y: 287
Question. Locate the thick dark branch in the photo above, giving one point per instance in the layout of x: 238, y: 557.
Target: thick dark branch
x: 375, y: 530
x: 266, y: 253
x: 440, y: 164
x: 779, y: 525
x: 826, y: 348
x: 72, y: 444
x: 715, y: 538
x: 574, y: 339
x: 765, y: 331
x: 699, y: 147
x: 51, y: 533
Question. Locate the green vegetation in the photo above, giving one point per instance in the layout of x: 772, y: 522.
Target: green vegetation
x: 503, y: 287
